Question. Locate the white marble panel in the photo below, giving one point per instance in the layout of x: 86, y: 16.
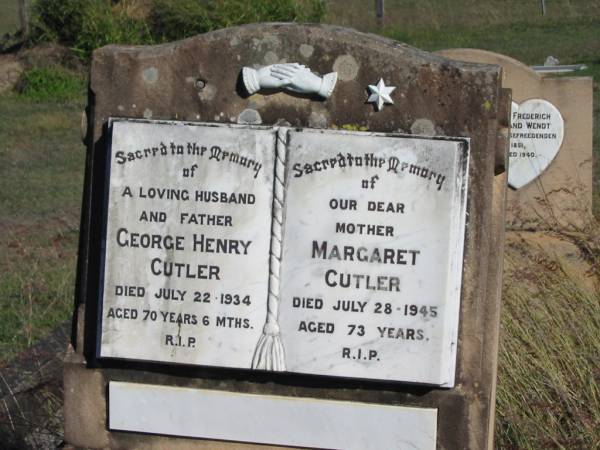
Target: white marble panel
x: 187, y: 242
x: 372, y: 255
x: 537, y: 131
x: 262, y: 419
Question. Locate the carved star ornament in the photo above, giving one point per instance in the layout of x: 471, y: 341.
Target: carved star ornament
x: 380, y: 94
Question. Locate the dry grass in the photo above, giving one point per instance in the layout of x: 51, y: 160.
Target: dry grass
x: 41, y: 172
x: 549, y: 368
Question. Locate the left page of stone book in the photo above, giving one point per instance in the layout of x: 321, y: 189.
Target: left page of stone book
x: 187, y: 232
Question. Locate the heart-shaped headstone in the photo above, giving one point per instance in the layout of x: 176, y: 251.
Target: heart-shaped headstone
x: 536, y: 136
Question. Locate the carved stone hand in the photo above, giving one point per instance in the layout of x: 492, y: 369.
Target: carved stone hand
x: 267, y: 81
x: 290, y: 76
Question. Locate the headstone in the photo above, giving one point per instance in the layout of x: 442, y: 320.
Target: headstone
x: 551, y: 144
x: 537, y: 131
x: 256, y: 270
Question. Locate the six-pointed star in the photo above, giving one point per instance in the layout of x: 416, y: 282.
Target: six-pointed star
x: 380, y: 94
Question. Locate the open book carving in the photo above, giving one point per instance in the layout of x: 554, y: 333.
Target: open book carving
x: 269, y: 248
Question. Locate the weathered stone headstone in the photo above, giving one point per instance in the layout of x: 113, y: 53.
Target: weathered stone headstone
x: 249, y: 275
x: 551, y: 144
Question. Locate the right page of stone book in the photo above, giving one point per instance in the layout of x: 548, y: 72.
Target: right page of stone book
x: 372, y: 255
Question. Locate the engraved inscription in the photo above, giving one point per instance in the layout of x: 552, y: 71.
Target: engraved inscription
x: 187, y: 243
x: 372, y: 256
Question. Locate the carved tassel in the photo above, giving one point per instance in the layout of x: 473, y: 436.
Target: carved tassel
x: 269, y: 353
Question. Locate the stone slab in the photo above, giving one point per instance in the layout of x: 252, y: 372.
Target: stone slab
x: 561, y: 197
x: 185, y: 271
x: 382, y: 303
x: 275, y: 420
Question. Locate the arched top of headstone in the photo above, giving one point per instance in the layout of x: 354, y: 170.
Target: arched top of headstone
x: 199, y: 79
x: 292, y: 40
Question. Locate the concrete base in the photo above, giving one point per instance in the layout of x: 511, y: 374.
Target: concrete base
x: 85, y: 401
x: 86, y: 397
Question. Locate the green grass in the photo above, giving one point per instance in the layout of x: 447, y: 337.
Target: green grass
x: 52, y: 83
x: 9, y: 16
x: 440, y: 15
x: 84, y: 25
x: 569, y: 41
x: 41, y: 176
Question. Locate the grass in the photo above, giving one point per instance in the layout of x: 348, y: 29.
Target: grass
x: 41, y: 176
x: 549, y: 373
x: 443, y: 15
x: 84, y: 25
x: 52, y: 83
x: 578, y: 40
x: 9, y: 17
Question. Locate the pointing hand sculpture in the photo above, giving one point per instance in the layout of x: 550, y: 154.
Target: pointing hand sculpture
x: 293, y: 77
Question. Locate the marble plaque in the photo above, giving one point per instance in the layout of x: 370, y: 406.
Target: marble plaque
x: 269, y: 419
x: 372, y: 255
x: 187, y: 235
x: 537, y: 130
x: 362, y: 279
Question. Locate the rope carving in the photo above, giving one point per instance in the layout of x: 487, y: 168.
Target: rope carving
x: 269, y: 353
